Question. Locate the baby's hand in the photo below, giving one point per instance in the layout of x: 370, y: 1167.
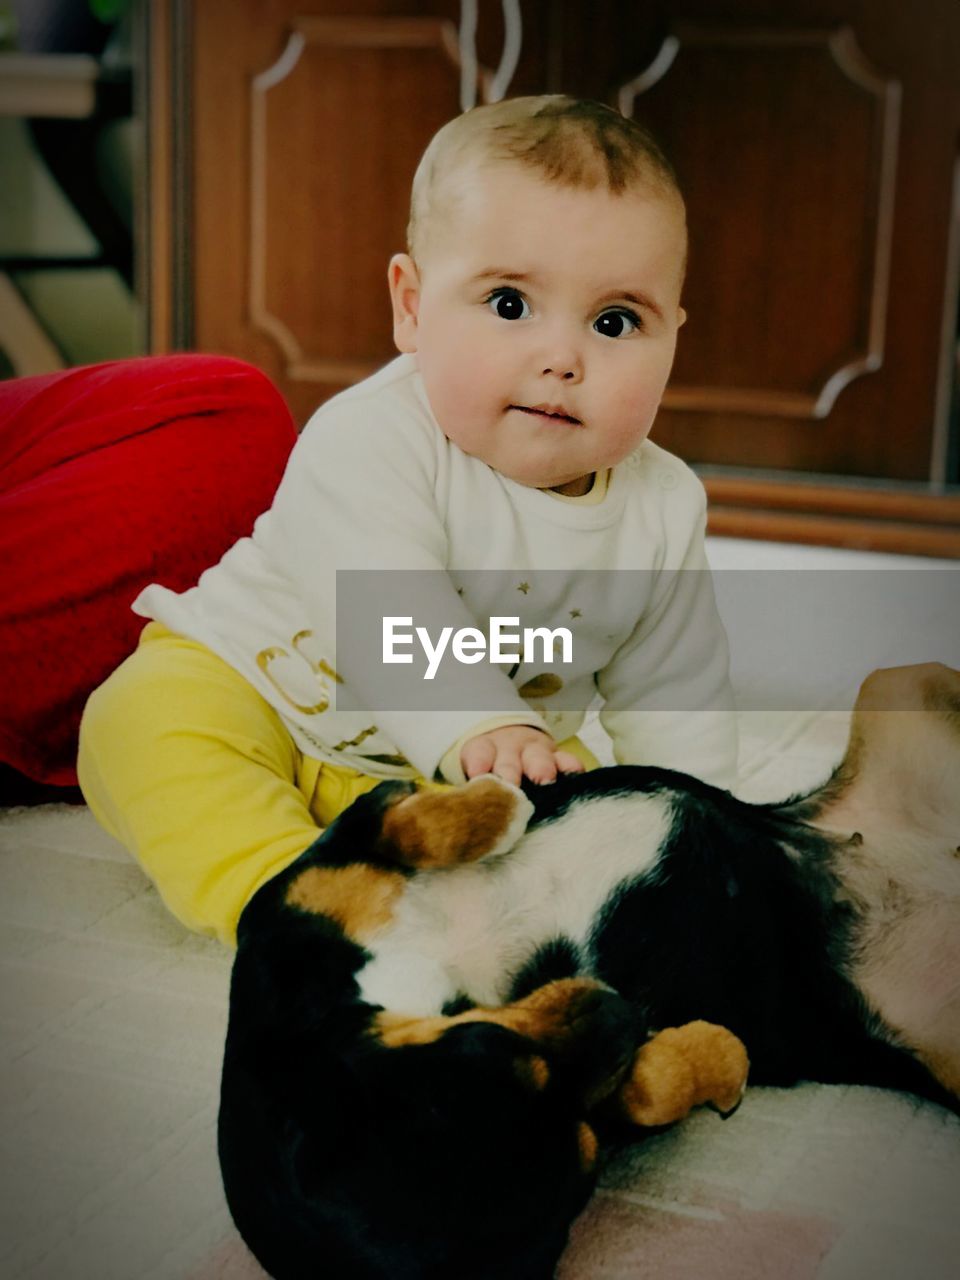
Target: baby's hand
x: 514, y: 752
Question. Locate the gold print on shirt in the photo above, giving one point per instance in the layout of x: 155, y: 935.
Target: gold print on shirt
x: 355, y: 742
x: 320, y: 668
x: 316, y: 666
x: 396, y: 759
x: 541, y: 686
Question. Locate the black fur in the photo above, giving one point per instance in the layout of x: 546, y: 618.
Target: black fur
x: 344, y: 1158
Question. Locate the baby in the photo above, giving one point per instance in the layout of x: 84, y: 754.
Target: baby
x: 536, y: 313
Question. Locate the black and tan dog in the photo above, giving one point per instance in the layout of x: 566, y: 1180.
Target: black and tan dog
x: 444, y: 1006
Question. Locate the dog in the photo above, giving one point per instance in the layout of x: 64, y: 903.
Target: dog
x: 448, y: 1006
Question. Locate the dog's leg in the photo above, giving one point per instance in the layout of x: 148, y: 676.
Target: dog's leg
x: 440, y: 828
x: 899, y: 784
x: 898, y: 787
x: 576, y: 1027
x: 348, y: 875
x: 940, y: 1053
x: 900, y: 775
x: 554, y: 1016
x: 680, y: 1068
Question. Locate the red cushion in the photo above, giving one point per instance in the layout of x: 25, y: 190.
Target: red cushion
x: 112, y: 477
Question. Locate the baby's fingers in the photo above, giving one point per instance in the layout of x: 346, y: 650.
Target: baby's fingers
x: 478, y: 756
x: 508, y: 765
x: 567, y: 762
x: 539, y: 763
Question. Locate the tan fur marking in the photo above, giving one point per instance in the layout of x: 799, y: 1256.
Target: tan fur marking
x: 681, y: 1068
x: 442, y: 828
x: 945, y: 1068
x: 398, y: 1029
x: 588, y: 1146
x: 360, y: 898
x: 534, y: 1072
x: 550, y: 1015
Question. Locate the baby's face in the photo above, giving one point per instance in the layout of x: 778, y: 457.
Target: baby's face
x: 544, y: 320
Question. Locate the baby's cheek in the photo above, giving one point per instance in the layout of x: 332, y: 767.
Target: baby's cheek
x: 632, y: 429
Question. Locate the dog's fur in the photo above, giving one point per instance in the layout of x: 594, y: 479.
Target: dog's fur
x: 439, y: 1007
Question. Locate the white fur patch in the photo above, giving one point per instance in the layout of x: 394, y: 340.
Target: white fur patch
x: 469, y: 929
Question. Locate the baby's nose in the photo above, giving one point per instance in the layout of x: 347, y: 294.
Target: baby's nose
x: 560, y: 351
x: 564, y: 362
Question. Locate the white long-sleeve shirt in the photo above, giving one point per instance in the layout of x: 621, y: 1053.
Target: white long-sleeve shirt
x: 373, y: 484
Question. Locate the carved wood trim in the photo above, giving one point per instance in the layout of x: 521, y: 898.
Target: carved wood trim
x: 904, y: 521
x: 379, y: 33
x: 780, y: 404
x: 342, y: 33
x: 948, y: 378
x: 791, y: 494
x: 260, y: 317
x: 663, y: 60
x: 850, y: 60
x: 835, y: 531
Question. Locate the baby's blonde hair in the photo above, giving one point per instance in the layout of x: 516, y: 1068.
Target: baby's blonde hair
x: 571, y: 141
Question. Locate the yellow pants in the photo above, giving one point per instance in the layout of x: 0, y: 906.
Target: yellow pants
x: 184, y: 763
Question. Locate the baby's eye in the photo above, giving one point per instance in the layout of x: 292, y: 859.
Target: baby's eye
x: 508, y: 304
x: 617, y: 323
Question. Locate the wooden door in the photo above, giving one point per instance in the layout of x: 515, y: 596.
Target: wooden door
x: 308, y: 120
x: 817, y: 144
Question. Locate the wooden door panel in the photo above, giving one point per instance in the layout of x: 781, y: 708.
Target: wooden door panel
x: 793, y: 250
x: 822, y: 291
x: 789, y: 345
x: 333, y: 158
x: 308, y: 119
x: 307, y: 137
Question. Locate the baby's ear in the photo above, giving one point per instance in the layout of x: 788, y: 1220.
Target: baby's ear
x: 404, y: 280
x: 681, y: 317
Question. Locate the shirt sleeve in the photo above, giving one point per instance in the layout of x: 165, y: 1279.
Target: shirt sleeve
x: 360, y: 495
x: 667, y: 694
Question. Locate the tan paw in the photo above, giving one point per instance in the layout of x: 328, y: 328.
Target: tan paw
x: 451, y: 825
x: 681, y: 1068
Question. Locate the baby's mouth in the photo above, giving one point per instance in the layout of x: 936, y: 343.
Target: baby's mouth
x: 547, y: 411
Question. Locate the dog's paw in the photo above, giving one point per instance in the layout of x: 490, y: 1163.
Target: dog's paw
x: 681, y: 1068
x: 445, y: 827
x: 502, y: 807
